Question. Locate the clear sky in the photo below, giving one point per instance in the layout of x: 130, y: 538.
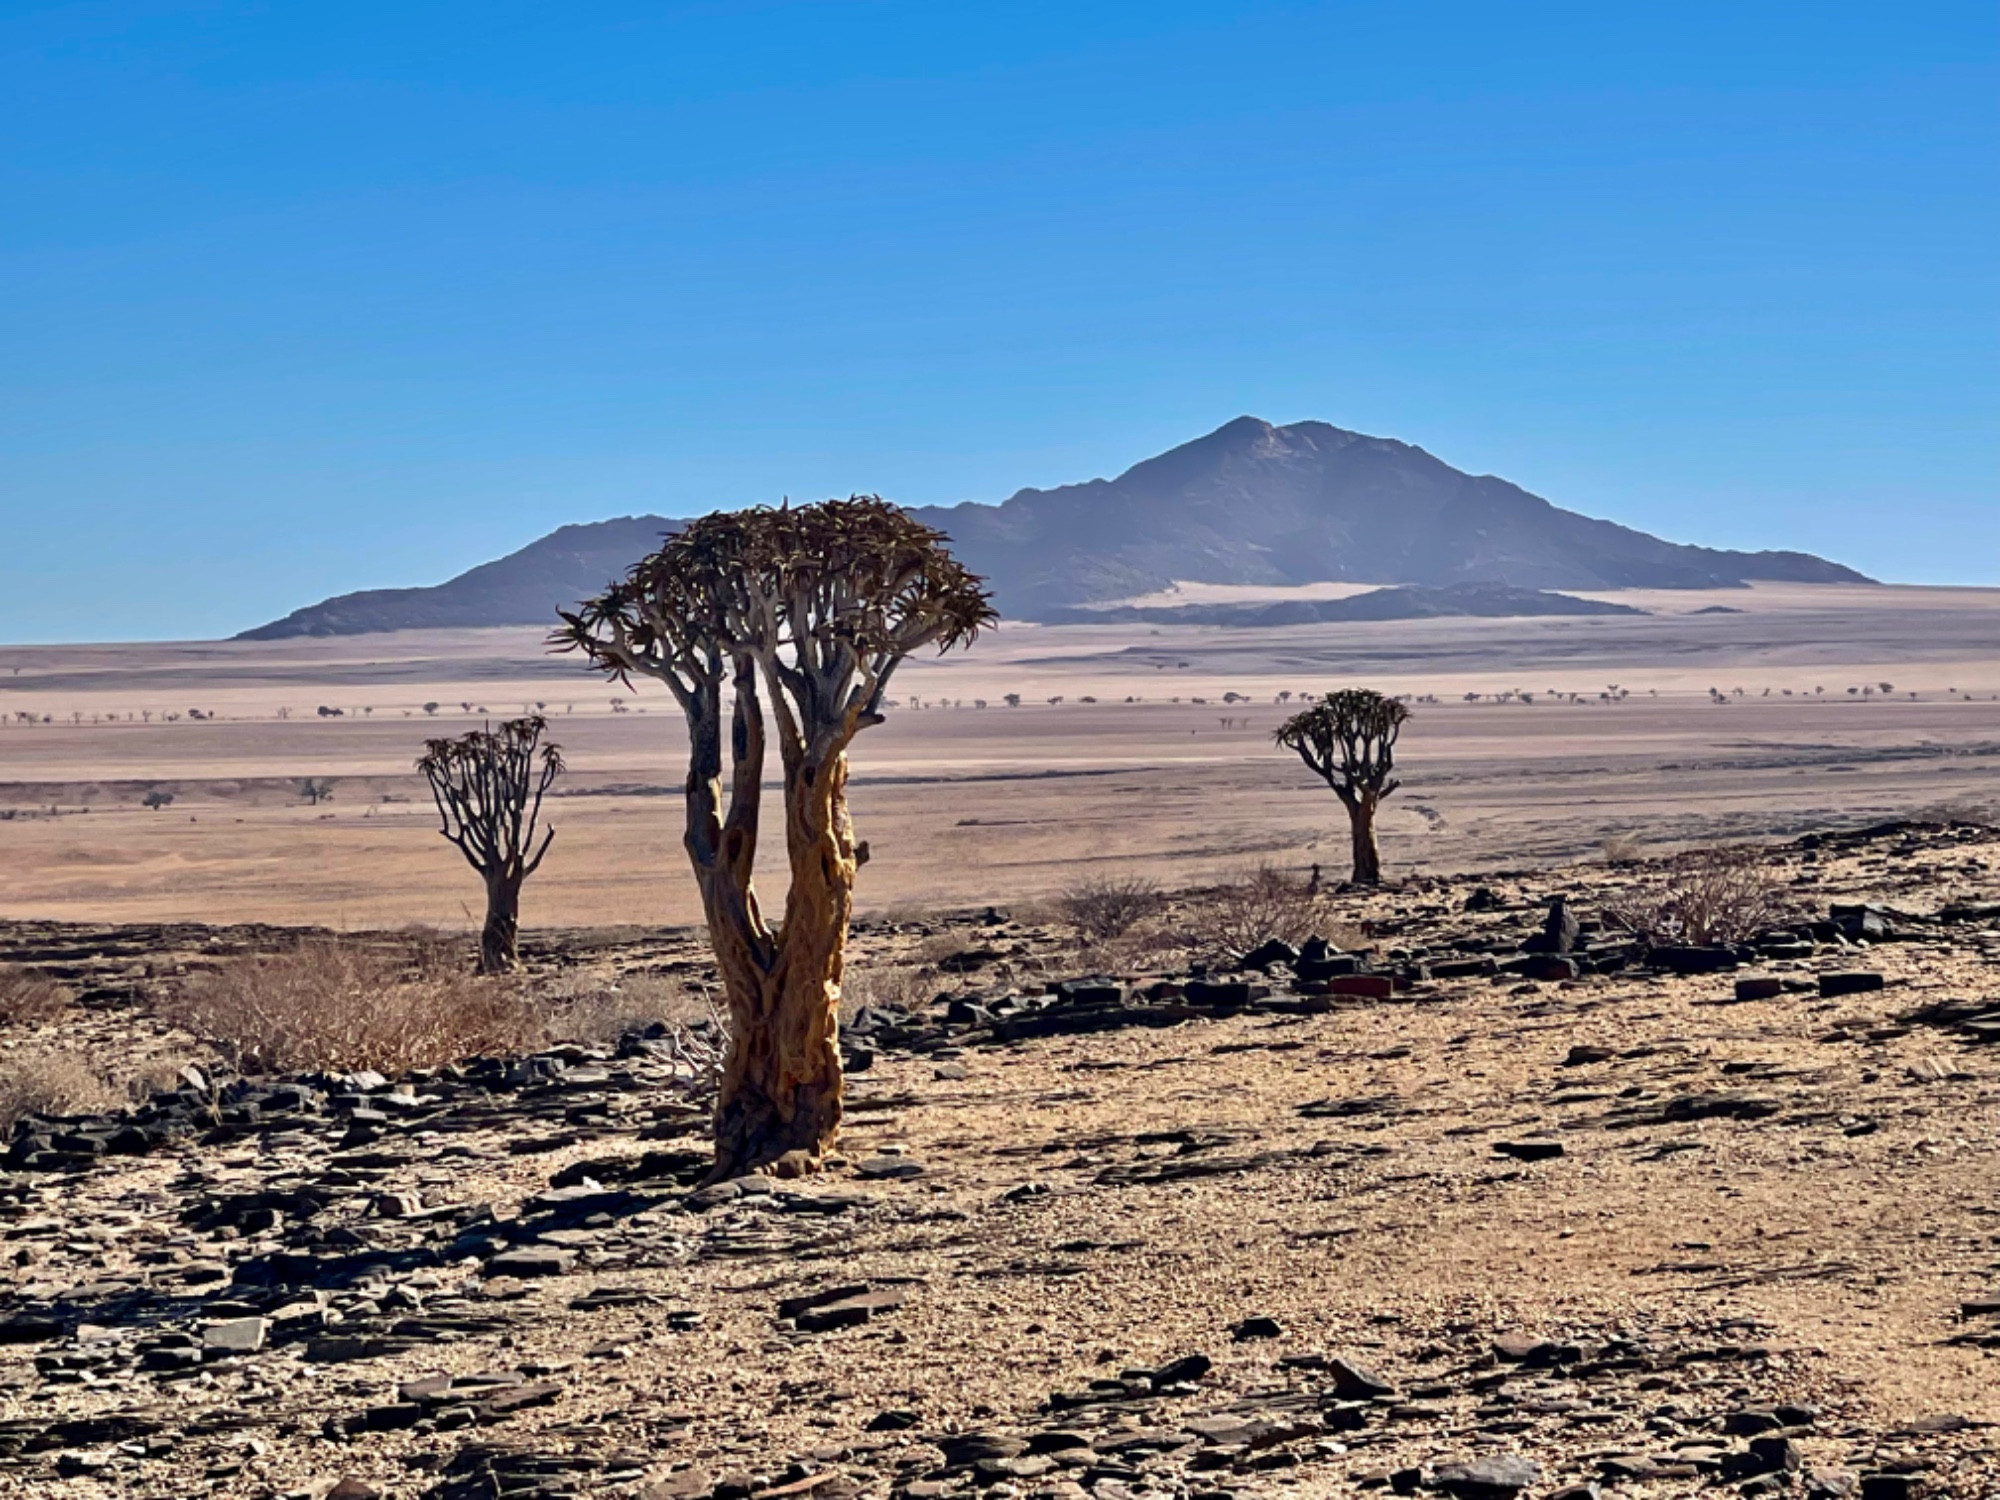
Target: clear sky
x: 297, y: 298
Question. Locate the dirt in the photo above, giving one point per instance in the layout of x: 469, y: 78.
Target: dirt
x: 1764, y: 1255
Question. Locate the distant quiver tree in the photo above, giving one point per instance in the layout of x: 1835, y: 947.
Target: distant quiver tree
x: 1348, y: 740
x: 488, y: 786
x: 807, y: 611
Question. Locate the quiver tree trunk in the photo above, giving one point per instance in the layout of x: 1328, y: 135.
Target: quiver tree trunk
x: 500, y: 938
x: 1367, y: 856
x: 780, y: 1100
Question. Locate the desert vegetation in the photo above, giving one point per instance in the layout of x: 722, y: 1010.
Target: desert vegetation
x: 1705, y: 898
x: 1348, y: 740
x: 334, y: 1004
x: 488, y: 785
x: 811, y: 609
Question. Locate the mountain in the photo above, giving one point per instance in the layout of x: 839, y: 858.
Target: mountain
x: 1256, y: 504
x: 1248, y: 504
x: 522, y: 588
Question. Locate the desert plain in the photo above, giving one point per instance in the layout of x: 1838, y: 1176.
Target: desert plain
x: 1144, y: 766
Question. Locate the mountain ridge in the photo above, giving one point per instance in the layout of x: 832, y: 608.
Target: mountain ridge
x: 1249, y: 503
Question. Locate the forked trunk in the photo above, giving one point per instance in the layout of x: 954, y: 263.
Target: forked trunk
x: 1367, y: 857
x: 500, y: 939
x: 780, y: 1101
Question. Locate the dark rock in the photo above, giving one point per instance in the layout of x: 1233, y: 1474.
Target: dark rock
x: 1849, y: 982
x: 530, y: 1261
x: 889, y: 1168
x: 1186, y: 1370
x: 1559, y: 931
x: 1497, y: 1478
x: 1677, y: 959
x: 849, y: 1312
x: 1356, y: 1382
x: 1894, y: 1487
x: 1759, y: 987
x: 1529, y: 1150
x: 1270, y: 952
x: 1256, y: 1328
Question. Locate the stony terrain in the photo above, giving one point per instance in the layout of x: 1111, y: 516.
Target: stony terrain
x: 1435, y: 1215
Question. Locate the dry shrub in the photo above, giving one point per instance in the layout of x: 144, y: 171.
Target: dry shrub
x: 599, y: 1012
x: 903, y: 987
x: 1705, y: 898
x: 51, y: 1081
x: 28, y: 998
x: 1264, y: 902
x: 339, y: 1005
x: 1104, y: 906
x: 940, y: 946
x: 1619, y: 848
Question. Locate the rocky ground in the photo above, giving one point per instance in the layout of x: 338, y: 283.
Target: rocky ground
x: 1437, y: 1215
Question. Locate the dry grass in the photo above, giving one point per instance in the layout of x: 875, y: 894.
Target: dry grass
x: 598, y: 1012
x: 1263, y: 902
x: 1704, y: 898
x: 1102, y: 906
x: 887, y: 986
x: 52, y: 1081
x: 341, y: 1005
x: 28, y: 998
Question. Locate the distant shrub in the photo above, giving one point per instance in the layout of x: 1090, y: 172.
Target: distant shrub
x: 28, y: 998
x: 1705, y: 898
x: 1103, y: 906
x: 342, y: 1004
x: 1263, y: 902
x: 51, y: 1081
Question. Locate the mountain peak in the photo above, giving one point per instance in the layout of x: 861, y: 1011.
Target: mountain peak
x: 1249, y: 503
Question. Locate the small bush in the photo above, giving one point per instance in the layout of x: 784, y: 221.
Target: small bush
x: 51, y: 1081
x: 904, y: 987
x: 599, y: 1013
x: 340, y: 1005
x: 1705, y: 898
x: 28, y: 998
x: 1102, y: 907
x: 1619, y: 848
x: 1262, y: 903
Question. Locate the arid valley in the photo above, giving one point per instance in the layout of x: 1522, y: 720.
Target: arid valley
x: 1146, y: 765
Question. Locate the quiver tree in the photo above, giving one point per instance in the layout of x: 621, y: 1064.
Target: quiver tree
x: 488, y: 786
x: 806, y: 611
x: 1348, y: 740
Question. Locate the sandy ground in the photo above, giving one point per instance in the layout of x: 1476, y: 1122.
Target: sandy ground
x: 1159, y: 775
x: 1816, y: 1250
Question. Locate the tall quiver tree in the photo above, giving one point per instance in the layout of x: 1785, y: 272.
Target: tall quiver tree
x: 810, y: 609
x: 1348, y: 740
x: 488, y: 786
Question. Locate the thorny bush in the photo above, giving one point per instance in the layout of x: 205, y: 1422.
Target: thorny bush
x: 336, y: 1004
x: 1103, y: 906
x: 1263, y: 902
x: 1705, y: 898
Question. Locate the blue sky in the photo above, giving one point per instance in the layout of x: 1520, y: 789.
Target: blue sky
x: 301, y: 298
